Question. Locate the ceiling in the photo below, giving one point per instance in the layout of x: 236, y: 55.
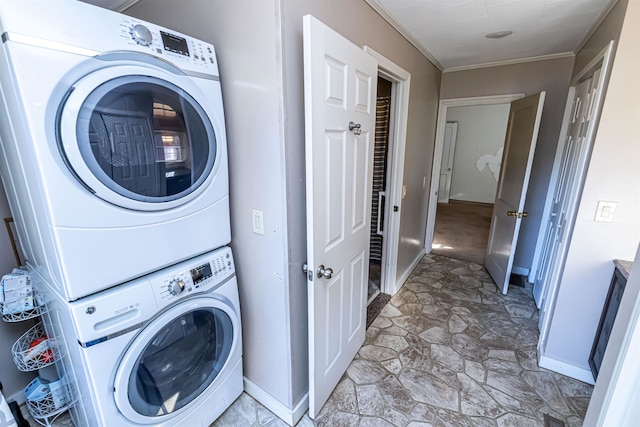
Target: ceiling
x: 452, y: 32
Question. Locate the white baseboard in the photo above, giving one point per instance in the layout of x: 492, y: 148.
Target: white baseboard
x: 409, y: 270
x: 567, y: 369
x: 520, y: 270
x: 288, y: 415
x: 18, y: 397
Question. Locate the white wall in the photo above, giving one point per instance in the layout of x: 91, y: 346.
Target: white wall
x: 613, y: 175
x: 479, y: 142
x: 552, y: 76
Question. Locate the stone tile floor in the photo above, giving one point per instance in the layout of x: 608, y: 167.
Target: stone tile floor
x: 448, y: 350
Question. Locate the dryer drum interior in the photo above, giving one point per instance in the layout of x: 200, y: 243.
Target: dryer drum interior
x: 145, y: 138
x: 180, y: 362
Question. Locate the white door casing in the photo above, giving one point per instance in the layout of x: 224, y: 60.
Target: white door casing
x: 445, y: 104
x: 573, y: 152
x: 446, y: 166
x: 340, y: 87
x: 550, y: 278
x: 519, y: 147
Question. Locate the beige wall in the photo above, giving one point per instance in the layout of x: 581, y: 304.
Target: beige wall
x: 613, y: 175
x: 552, y: 76
x: 259, y: 47
x: 355, y: 20
x: 13, y: 380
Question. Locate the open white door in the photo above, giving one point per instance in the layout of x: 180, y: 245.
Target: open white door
x: 446, y: 166
x: 340, y: 92
x: 519, y: 146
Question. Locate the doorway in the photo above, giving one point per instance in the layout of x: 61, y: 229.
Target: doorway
x: 469, y: 171
x: 465, y: 190
x: 380, y: 179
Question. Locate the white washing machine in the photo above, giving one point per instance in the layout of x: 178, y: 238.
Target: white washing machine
x: 113, y: 143
x: 162, y: 350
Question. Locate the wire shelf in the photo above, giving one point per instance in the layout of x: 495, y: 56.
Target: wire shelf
x: 50, y: 406
x: 25, y: 358
x: 23, y: 315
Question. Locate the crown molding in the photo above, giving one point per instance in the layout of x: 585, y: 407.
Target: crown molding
x: 375, y: 5
x: 605, y: 12
x: 511, y: 62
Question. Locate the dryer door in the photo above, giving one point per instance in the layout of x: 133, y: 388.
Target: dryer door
x: 139, y: 137
x: 175, y: 359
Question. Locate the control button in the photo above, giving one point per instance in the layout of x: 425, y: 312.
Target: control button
x: 176, y: 287
x: 209, y: 49
x: 141, y: 35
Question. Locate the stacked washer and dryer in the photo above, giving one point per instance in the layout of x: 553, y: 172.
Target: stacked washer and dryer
x: 114, y: 161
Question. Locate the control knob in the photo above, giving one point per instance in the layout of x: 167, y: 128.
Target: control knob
x: 141, y: 35
x: 176, y: 287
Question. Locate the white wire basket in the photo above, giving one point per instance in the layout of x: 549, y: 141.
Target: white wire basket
x: 29, y: 358
x: 50, y: 405
x: 22, y: 315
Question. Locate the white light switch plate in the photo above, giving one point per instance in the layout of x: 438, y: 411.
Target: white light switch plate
x: 258, y: 221
x: 606, y: 211
x: 404, y: 191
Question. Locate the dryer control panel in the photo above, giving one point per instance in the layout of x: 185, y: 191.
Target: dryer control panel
x: 201, y: 274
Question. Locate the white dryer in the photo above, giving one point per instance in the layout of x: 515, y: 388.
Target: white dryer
x: 113, y: 142
x: 163, y: 350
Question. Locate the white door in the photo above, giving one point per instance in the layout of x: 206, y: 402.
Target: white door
x: 573, y: 155
x: 446, y: 166
x: 340, y: 92
x: 519, y: 146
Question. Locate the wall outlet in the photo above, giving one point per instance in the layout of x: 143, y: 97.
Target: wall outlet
x: 606, y: 211
x: 258, y: 221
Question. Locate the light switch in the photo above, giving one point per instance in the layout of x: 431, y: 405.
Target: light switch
x: 404, y: 191
x: 606, y: 211
x: 424, y: 181
x: 258, y: 221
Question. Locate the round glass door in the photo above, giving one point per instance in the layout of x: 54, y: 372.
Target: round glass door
x: 142, y: 137
x: 180, y: 361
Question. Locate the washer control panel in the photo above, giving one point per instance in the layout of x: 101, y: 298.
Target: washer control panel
x: 200, y: 274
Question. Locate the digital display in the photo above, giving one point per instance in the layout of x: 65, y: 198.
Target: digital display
x: 201, y: 273
x: 175, y: 44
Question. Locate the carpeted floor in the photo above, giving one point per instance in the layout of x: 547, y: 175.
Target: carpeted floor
x: 462, y: 230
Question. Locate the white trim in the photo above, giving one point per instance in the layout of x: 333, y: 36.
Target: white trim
x: 408, y: 271
x: 401, y: 80
x: 550, y: 294
x: 380, y: 10
x: 510, y: 62
x: 445, y: 104
x: 522, y: 271
x: 18, y: 397
x: 289, y: 416
x: 566, y: 369
x: 605, y: 12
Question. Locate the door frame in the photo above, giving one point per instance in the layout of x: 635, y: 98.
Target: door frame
x: 401, y: 82
x: 604, y: 59
x: 445, y: 104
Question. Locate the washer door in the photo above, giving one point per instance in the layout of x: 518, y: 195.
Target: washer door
x: 138, y: 137
x: 175, y: 359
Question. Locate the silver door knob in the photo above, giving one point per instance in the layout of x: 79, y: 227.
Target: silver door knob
x: 327, y: 273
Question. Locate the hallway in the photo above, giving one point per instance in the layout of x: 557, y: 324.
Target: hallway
x: 448, y: 350
x: 462, y: 230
